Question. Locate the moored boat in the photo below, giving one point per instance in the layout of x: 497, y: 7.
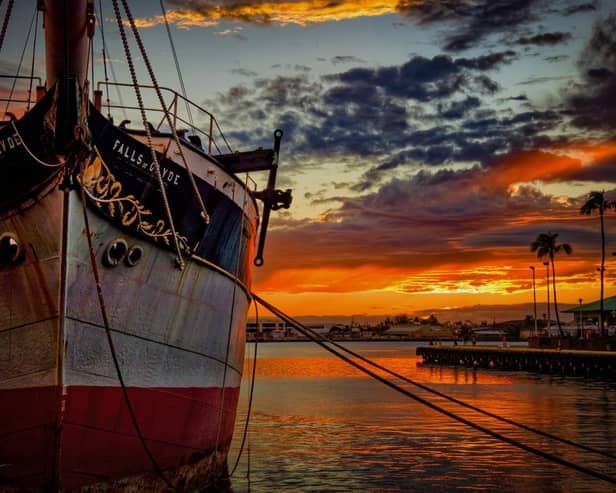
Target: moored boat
x: 126, y: 260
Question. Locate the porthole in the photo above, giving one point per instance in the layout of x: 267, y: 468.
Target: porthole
x: 10, y: 249
x: 134, y: 256
x: 115, y: 252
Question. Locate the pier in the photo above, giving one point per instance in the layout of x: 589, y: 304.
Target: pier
x: 593, y: 364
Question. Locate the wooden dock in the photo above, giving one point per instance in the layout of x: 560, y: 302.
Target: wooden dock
x: 593, y: 364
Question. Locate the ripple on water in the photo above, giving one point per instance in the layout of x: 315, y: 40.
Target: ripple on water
x: 321, y: 426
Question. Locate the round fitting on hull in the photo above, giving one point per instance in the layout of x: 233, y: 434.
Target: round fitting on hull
x: 134, y: 256
x: 115, y: 252
x: 11, y: 250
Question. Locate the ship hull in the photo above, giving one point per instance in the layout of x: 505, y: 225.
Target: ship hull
x: 179, y: 337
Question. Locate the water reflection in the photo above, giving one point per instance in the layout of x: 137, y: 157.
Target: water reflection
x: 319, y: 425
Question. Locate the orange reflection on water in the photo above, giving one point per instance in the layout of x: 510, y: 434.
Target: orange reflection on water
x: 317, y: 433
x: 328, y: 367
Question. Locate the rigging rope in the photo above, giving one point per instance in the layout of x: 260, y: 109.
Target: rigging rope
x: 176, y: 138
x: 177, y: 65
x: 511, y: 441
x: 252, y: 386
x: 105, y: 54
x: 21, y: 60
x: 33, y: 57
x: 159, y: 177
x: 5, y: 23
x: 114, y: 356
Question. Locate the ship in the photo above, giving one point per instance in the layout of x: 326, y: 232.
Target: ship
x: 126, y: 260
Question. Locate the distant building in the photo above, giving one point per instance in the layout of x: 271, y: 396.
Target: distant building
x: 589, y: 313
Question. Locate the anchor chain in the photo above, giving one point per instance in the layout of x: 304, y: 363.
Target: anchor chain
x: 148, y: 132
x: 131, y: 20
x: 5, y: 24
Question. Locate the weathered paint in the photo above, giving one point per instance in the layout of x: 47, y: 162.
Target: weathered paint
x: 179, y: 336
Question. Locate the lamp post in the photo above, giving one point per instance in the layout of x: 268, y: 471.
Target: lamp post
x: 601, y: 270
x: 532, y: 268
x: 547, y: 289
x: 580, y: 320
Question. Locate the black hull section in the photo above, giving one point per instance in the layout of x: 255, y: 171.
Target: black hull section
x: 121, y: 184
x: 26, y: 164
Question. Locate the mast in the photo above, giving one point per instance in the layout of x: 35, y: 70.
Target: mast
x: 66, y: 40
x: 68, y: 26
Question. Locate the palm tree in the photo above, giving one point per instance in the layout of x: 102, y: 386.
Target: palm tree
x: 545, y: 245
x: 596, y: 202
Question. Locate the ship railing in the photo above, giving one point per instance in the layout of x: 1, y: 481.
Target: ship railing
x: 175, y: 112
x: 38, y: 94
x: 250, y: 183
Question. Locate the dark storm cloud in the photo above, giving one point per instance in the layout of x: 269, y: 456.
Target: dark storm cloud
x: 487, y: 62
x: 244, y: 72
x: 366, y: 111
x: 556, y: 58
x: 520, y: 97
x: 541, y: 80
x: 459, y: 109
x: 544, y: 39
x: 473, y: 20
x: 521, y: 236
x: 600, y: 171
x: 475, y: 140
x: 485, y: 85
x: 593, y: 105
x: 446, y: 208
x: 340, y: 59
x: 583, y: 7
x: 425, y: 79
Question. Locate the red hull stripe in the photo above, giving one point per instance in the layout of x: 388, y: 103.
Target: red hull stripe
x: 97, y: 439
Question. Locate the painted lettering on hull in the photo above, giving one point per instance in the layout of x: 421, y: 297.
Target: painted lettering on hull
x: 138, y: 159
x: 9, y: 143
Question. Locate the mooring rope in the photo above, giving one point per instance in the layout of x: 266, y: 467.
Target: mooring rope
x: 250, y: 395
x: 511, y: 441
x: 114, y: 356
x: 475, y: 408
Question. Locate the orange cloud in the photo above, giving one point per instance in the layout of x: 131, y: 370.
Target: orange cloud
x: 527, y: 166
x: 373, y: 289
x: 301, y: 12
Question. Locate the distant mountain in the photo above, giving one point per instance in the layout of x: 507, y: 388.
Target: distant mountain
x: 491, y: 313
x: 474, y: 313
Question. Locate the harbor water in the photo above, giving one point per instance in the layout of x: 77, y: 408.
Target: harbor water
x: 319, y: 425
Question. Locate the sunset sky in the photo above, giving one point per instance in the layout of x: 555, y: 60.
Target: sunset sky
x: 427, y: 143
